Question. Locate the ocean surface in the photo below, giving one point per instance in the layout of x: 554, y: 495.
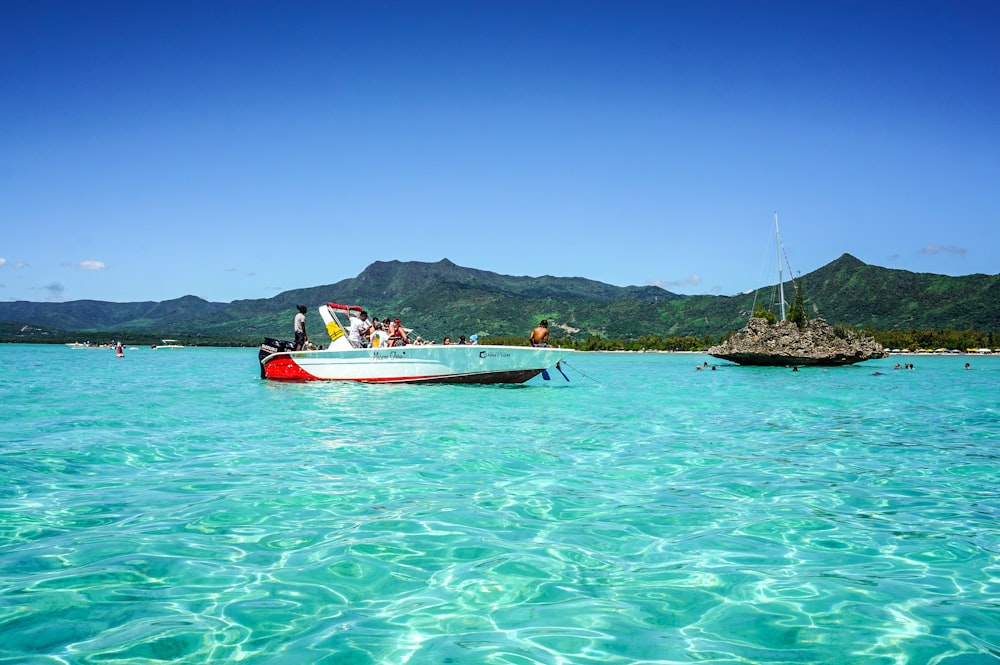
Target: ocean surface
x: 171, y: 507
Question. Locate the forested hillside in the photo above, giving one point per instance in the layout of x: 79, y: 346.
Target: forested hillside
x: 441, y: 298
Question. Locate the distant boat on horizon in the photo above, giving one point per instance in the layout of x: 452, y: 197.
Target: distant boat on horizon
x: 87, y: 345
x: 168, y: 344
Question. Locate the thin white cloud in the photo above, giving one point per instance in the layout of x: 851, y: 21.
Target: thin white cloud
x: 693, y: 280
x: 20, y: 264
x: 55, y: 290
x: 92, y: 265
x: 943, y: 249
x: 2, y: 262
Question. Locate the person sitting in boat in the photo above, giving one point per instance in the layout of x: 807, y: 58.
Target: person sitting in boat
x: 474, y: 339
x: 540, y: 335
x: 359, y: 331
x: 462, y: 341
x: 397, y: 334
x: 378, y: 336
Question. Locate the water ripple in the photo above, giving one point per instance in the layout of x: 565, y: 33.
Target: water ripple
x: 180, y: 510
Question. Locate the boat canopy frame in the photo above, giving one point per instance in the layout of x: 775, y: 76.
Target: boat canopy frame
x: 335, y: 327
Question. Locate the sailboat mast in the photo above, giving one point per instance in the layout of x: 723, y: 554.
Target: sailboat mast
x: 781, y: 280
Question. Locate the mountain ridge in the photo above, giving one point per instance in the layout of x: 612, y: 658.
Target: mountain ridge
x: 442, y: 298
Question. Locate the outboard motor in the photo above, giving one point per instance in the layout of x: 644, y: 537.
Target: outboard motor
x: 270, y: 346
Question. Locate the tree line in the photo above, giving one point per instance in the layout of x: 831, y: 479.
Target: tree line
x: 928, y: 338
x: 599, y: 343
x: 914, y: 339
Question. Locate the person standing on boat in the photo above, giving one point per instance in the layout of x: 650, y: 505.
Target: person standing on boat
x: 300, y: 328
x: 360, y: 330
x: 540, y: 335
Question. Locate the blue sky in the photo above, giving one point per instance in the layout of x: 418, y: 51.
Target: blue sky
x: 150, y: 150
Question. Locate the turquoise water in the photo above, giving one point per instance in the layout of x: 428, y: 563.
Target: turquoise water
x: 171, y: 507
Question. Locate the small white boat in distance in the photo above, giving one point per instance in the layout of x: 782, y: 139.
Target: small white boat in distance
x: 422, y: 363
x: 168, y: 344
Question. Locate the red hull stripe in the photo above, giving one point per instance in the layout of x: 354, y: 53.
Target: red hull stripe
x: 284, y: 368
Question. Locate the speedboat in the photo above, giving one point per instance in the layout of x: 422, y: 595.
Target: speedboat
x: 168, y: 344
x: 413, y: 363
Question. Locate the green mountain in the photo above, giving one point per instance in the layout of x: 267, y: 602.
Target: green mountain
x: 438, y: 299
x: 849, y: 291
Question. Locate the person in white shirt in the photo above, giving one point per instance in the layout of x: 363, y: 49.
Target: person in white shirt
x: 299, y: 325
x: 360, y: 329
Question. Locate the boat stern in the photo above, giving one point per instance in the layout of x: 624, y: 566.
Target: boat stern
x: 269, y: 348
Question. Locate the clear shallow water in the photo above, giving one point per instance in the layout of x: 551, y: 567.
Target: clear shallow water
x: 171, y: 507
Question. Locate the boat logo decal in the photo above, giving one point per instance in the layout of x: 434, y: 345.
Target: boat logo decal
x: 494, y: 354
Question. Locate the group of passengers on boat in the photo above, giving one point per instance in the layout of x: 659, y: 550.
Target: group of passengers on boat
x: 363, y: 333
x: 390, y: 331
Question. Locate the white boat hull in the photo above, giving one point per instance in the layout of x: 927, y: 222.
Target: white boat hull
x: 433, y: 363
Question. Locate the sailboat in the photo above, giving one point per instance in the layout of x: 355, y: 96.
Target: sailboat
x: 791, y: 343
x: 781, y: 279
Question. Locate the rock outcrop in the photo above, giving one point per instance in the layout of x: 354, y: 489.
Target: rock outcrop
x: 785, y: 344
